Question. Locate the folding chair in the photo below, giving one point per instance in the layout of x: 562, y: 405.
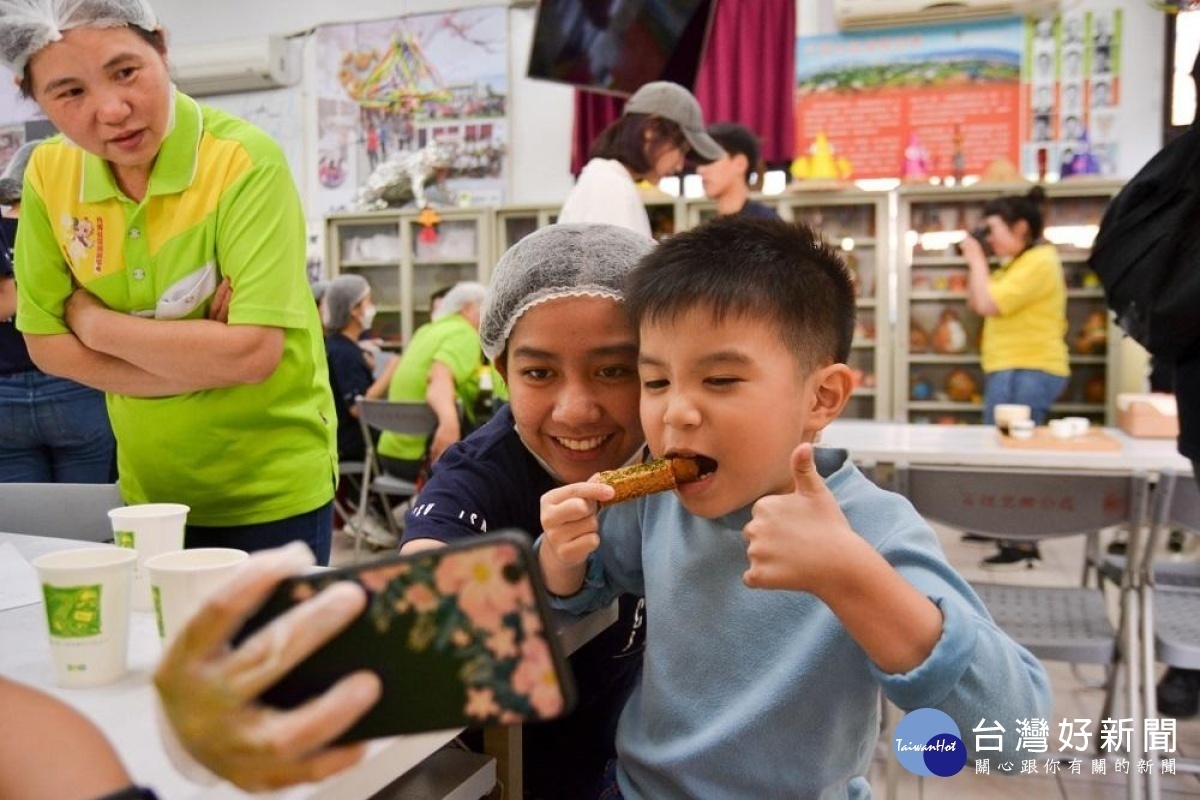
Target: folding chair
x: 64, y: 510
x: 415, y: 418
x: 1055, y: 623
x: 351, y: 471
x: 1170, y: 600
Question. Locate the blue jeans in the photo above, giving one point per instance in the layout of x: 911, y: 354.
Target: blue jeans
x: 1030, y: 387
x: 53, y: 430
x: 314, y: 528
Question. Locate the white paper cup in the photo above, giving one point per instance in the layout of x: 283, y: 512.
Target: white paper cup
x: 150, y: 529
x: 181, y: 581
x: 1061, y: 428
x: 1008, y: 413
x: 87, y: 595
x: 1079, y: 425
x: 1021, y: 429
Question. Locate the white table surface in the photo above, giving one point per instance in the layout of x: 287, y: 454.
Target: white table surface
x: 126, y: 711
x: 869, y: 441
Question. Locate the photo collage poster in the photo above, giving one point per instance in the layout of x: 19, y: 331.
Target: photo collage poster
x: 426, y: 87
x: 1072, y: 70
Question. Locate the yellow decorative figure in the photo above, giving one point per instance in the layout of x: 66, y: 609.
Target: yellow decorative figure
x: 821, y: 164
x: 429, y: 219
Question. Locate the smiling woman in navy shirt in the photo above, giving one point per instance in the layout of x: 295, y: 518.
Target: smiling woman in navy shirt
x: 554, y: 326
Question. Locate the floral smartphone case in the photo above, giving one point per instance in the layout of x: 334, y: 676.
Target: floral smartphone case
x: 460, y: 637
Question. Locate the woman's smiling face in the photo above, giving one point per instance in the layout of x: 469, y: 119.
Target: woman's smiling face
x: 571, y: 368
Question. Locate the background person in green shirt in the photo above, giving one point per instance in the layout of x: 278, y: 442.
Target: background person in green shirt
x: 440, y: 366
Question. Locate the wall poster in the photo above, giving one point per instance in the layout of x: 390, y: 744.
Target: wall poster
x: 1072, y: 69
x: 432, y: 86
x: 949, y: 95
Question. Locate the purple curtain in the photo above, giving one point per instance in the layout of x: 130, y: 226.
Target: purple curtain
x: 747, y: 76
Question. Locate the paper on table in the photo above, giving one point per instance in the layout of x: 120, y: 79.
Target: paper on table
x: 19, y: 584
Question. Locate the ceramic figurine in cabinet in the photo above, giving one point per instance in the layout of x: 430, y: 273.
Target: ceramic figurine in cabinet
x: 920, y: 388
x: 1093, y: 336
x: 949, y: 336
x: 918, y: 337
x: 961, y: 386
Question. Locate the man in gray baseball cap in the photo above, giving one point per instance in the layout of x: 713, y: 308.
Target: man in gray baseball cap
x: 672, y: 101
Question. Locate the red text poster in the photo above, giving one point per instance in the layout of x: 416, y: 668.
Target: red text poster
x: 945, y: 99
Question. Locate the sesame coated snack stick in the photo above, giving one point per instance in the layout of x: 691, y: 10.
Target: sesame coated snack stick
x: 659, y: 475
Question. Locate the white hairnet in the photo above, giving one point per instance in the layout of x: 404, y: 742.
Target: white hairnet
x: 27, y: 26
x: 319, y: 288
x: 557, y: 261
x: 459, y: 296
x: 343, y: 294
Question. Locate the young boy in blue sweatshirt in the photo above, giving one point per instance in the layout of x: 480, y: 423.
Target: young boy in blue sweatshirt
x: 783, y: 589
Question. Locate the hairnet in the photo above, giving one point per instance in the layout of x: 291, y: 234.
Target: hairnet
x: 27, y: 26
x: 319, y: 288
x: 557, y: 261
x: 460, y: 295
x: 13, y: 177
x: 343, y: 294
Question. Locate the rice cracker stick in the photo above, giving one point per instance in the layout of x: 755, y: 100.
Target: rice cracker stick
x: 659, y: 475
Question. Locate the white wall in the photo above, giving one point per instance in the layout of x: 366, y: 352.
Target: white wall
x: 540, y: 113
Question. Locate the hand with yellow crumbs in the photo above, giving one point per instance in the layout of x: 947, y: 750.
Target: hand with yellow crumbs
x: 209, y: 690
x: 570, y: 533
x: 796, y: 539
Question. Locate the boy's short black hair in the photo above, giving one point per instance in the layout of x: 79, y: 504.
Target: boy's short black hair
x: 737, y: 140
x: 780, y: 272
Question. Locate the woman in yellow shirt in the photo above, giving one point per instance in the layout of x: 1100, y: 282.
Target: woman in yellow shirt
x: 1024, y: 306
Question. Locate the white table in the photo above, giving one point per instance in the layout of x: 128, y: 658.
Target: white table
x: 126, y: 710
x: 871, y: 442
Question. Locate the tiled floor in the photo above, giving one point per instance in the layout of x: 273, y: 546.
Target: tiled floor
x: 1073, y: 699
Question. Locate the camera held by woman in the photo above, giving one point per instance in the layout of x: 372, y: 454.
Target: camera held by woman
x: 980, y: 234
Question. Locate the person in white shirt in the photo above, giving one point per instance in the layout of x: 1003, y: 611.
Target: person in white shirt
x: 661, y: 125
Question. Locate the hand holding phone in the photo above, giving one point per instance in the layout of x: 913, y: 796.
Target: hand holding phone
x: 459, y: 636
x: 208, y: 690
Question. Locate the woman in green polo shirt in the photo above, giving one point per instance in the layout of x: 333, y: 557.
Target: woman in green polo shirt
x: 440, y: 365
x: 161, y: 259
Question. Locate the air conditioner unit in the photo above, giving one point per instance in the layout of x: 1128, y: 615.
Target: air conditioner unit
x: 235, y: 65
x: 864, y: 14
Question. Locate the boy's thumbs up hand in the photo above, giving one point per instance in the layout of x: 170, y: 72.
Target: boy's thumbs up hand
x: 794, y: 539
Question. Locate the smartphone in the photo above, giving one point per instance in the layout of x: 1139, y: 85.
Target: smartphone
x: 460, y: 636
